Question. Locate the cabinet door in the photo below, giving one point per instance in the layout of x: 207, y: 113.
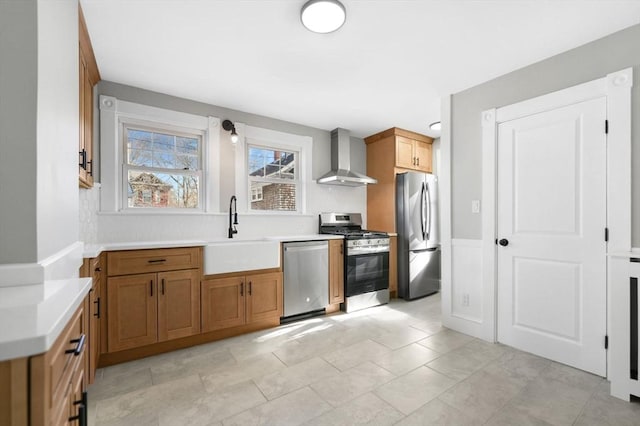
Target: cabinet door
x: 88, y: 128
x: 82, y: 147
x: 393, y: 266
x: 336, y: 271
x: 264, y: 293
x: 404, y: 153
x: 423, y: 156
x: 77, y: 408
x: 222, y: 303
x: 178, y: 304
x: 132, y: 311
x: 94, y: 329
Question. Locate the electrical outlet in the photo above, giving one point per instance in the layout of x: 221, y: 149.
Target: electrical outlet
x: 475, y: 206
x: 465, y: 299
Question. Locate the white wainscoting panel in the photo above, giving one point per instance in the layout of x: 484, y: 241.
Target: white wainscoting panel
x: 464, y: 308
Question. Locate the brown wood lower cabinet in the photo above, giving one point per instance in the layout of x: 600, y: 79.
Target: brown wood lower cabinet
x: 149, y: 308
x: 336, y: 271
x: 235, y: 301
x: 178, y: 304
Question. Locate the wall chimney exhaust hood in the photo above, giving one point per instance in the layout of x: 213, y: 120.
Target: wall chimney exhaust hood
x: 341, y: 173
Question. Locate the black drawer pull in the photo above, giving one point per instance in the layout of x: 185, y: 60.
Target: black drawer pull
x: 97, y: 303
x: 163, y: 286
x: 81, y: 417
x: 79, y: 346
x: 83, y: 159
x: 156, y: 260
x: 242, y: 289
x: 98, y: 269
x: 249, y: 288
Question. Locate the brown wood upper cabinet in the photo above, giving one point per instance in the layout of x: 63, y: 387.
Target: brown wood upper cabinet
x: 145, y: 308
x: 89, y: 77
x: 336, y: 271
x: 392, y: 151
x: 238, y: 300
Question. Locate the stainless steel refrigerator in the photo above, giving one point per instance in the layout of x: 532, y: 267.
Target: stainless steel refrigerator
x: 417, y: 225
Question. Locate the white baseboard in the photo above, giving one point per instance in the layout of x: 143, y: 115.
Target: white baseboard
x: 61, y: 265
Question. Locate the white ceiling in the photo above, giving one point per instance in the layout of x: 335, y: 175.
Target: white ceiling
x: 387, y: 66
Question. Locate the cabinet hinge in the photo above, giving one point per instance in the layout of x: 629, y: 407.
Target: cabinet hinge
x: 606, y: 342
x: 606, y: 234
x: 606, y: 126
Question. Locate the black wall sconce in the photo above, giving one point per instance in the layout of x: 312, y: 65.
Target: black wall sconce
x: 229, y: 127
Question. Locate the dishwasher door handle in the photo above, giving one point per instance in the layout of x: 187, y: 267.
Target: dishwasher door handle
x: 305, y: 248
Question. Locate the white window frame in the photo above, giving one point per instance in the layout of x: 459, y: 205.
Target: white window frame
x: 271, y: 139
x: 295, y: 181
x: 172, y: 130
x: 114, y: 113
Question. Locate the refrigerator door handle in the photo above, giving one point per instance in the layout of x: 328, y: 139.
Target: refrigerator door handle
x: 428, y: 208
x: 422, y: 214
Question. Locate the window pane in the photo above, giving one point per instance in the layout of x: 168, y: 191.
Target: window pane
x: 265, y: 162
x: 162, y: 150
x: 139, y: 139
x: 273, y: 196
x: 140, y: 157
x: 187, y: 145
x: 162, y: 190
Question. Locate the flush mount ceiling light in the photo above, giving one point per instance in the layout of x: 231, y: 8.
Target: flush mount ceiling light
x: 323, y: 16
x: 229, y: 127
x: 436, y: 126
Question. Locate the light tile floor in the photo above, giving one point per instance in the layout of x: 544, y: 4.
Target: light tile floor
x: 392, y: 364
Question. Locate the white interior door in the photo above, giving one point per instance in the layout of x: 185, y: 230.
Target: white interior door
x: 552, y: 218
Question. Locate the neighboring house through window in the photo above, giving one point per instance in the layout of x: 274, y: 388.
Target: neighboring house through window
x: 163, y: 168
x: 273, y: 170
x: 157, y: 160
x: 273, y: 180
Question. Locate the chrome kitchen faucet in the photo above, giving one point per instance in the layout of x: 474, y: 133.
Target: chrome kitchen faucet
x: 233, y: 216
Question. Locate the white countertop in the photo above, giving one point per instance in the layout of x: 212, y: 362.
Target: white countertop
x: 310, y: 237
x: 93, y: 250
x: 32, y: 317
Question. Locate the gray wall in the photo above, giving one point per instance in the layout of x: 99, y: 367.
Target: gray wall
x: 18, y: 102
x: 321, y: 138
x: 585, y: 63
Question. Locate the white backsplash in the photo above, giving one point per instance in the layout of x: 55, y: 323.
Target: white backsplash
x: 89, y: 205
x: 118, y: 227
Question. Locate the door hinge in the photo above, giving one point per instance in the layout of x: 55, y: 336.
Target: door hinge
x: 606, y: 234
x: 606, y: 342
x: 606, y: 127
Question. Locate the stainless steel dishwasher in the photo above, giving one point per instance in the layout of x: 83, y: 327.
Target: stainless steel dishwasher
x: 306, y: 277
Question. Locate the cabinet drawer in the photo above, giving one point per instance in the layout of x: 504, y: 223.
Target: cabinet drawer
x: 153, y: 260
x: 61, y: 363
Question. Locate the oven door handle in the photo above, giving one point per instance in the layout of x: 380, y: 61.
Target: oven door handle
x: 364, y: 251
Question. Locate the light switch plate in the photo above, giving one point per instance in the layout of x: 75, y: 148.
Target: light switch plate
x: 475, y: 206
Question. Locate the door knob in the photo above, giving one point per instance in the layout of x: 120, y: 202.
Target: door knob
x: 503, y: 242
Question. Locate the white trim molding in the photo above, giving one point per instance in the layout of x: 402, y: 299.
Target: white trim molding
x: 616, y: 87
x: 113, y: 112
x: 301, y: 144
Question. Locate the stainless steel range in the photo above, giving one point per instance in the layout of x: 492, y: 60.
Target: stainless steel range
x: 366, y: 275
